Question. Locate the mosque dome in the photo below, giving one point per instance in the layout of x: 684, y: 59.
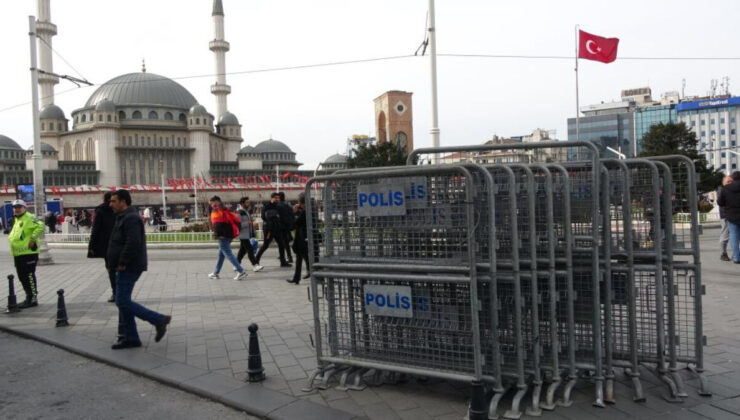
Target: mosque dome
x: 8, y: 143
x: 337, y: 158
x: 198, y: 110
x: 51, y: 111
x: 228, y: 119
x: 105, y: 105
x: 272, y: 146
x: 142, y: 89
x: 247, y: 150
x: 45, y: 148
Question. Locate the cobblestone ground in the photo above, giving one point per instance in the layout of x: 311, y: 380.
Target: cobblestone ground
x: 209, y: 331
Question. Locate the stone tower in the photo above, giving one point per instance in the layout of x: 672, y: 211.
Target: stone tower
x: 219, y: 47
x: 394, y: 119
x: 45, y: 30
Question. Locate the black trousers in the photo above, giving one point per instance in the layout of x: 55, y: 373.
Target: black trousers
x: 25, y: 266
x: 286, y: 241
x: 299, y: 257
x: 245, y: 248
x: 111, y: 276
x: 278, y: 237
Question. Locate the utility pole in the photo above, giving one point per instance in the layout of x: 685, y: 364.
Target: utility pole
x: 164, y: 202
x: 434, y: 131
x: 38, y: 181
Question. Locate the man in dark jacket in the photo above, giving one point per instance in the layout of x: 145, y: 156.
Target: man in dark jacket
x: 272, y: 228
x: 127, y: 253
x: 287, y: 223
x: 100, y: 236
x: 300, y: 243
x: 730, y: 200
x: 724, y: 233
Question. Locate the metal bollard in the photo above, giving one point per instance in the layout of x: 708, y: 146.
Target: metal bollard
x: 478, y: 409
x: 255, y: 371
x: 61, y: 310
x: 12, y: 302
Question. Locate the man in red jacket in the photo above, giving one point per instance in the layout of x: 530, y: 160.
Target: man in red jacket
x: 225, y: 226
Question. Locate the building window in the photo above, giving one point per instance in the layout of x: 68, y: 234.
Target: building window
x: 182, y: 117
x: 724, y: 154
x: 711, y: 121
x: 703, y: 133
x: 60, y: 127
x: 197, y: 121
x: 722, y: 143
x: 100, y: 117
x: 712, y: 133
x: 722, y: 120
x: 722, y: 132
x: 732, y: 131
x: 121, y: 116
x: 83, y: 118
x: 703, y: 122
x: 109, y: 119
x: 136, y: 115
x: 168, y: 116
x: 153, y: 115
x: 693, y: 123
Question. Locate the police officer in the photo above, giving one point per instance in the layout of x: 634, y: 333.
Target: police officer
x: 24, y: 245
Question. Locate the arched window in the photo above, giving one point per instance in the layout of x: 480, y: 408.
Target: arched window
x: 109, y: 118
x: 78, y: 150
x: 136, y: 115
x: 83, y: 118
x: 44, y: 128
x: 100, y: 117
x: 197, y: 121
x: 60, y: 127
x: 121, y: 115
x: 168, y: 116
x: 90, y: 149
x: 153, y: 115
x: 67, y: 153
x: 182, y: 117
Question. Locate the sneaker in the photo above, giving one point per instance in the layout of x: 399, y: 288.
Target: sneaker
x: 724, y: 257
x: 257, y: 268
x: 213, y: 276
x: 241, y: 275
x: 28, y: 304
x: 285, y: 264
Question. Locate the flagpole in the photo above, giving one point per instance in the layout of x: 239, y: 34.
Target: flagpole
x: 578, y: 108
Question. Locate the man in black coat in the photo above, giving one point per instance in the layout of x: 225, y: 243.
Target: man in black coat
x: 287, y: 224
x: 127, y: 253
x: 272, y: 229
x: 730, y: 200
x: 100, y: 236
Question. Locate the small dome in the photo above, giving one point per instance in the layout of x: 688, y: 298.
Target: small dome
x: 228, y: 119
x: 52, y: 111
x: 198, y: 110
x: 273, y: 146
x: 247, y: 150
x: 45, y: 148
x: 337, y: 158
x: 105, y: 105
x: 8, y: 143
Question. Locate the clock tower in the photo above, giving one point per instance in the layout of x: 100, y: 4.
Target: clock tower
x: 394, y: 119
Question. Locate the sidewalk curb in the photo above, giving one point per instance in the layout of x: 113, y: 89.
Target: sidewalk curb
x: 252, y: 399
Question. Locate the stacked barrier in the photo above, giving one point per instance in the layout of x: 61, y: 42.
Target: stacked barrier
x: 534, y: 268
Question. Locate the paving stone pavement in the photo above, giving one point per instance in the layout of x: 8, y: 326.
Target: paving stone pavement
x: 209, y: 334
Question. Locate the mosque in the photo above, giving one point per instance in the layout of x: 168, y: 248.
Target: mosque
x: 137, y: 127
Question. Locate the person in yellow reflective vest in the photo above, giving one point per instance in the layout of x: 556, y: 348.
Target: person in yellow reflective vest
x: 24, y: 246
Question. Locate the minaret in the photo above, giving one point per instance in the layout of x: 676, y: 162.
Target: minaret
x: 45, y: 30
x: 219, y: 47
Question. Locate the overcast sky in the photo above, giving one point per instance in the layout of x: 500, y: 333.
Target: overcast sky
x: 314, y: 110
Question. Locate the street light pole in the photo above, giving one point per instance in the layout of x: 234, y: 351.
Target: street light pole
x: 195, y: 193
x: 38, y: 181
x: 164, y: 202
x: 434, y: 131
x: 618, y: 153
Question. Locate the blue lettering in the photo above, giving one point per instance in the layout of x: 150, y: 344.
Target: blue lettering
x: 420, y: 191
x: 390, y: 302
x: 413, y: 190
x: 380, y: 301
x: 362, y: 198
x: 405, y: 304
x: 398, y: 198
x: 383, y: 203
x: 369, y: 298
x: 373, y: 200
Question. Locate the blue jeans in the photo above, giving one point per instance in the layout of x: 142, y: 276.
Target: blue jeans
x: 734, y: 239
x: 224, y: 251
x: 128, y: 310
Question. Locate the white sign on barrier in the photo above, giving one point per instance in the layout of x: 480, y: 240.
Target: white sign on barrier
x: 392, y: 301
x: 392, y: 196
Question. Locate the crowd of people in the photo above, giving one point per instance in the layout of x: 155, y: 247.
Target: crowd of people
x: 118, y: 237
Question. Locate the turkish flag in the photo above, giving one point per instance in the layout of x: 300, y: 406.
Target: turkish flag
x: 594, y: 47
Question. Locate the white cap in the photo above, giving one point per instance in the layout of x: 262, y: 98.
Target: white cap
x: 18, y: 203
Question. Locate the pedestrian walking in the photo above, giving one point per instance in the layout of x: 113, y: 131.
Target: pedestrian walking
x: 186, y: 216
x: 127, y: 253
x: 24, y: 246
x: 102, y: 228
x: 300, y: 242
x: 272, y: 229
x: 246, y: 233
x: 225, y: 226
x: 287, y: 222
x: 731, y: 201
x: 724, y: 233
x: 51, y: 221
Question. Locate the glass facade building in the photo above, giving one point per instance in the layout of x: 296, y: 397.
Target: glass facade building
x: 646, y: 117
x: 614, y: 130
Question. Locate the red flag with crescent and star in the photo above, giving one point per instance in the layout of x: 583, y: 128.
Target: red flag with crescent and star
x: 594, y: 47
